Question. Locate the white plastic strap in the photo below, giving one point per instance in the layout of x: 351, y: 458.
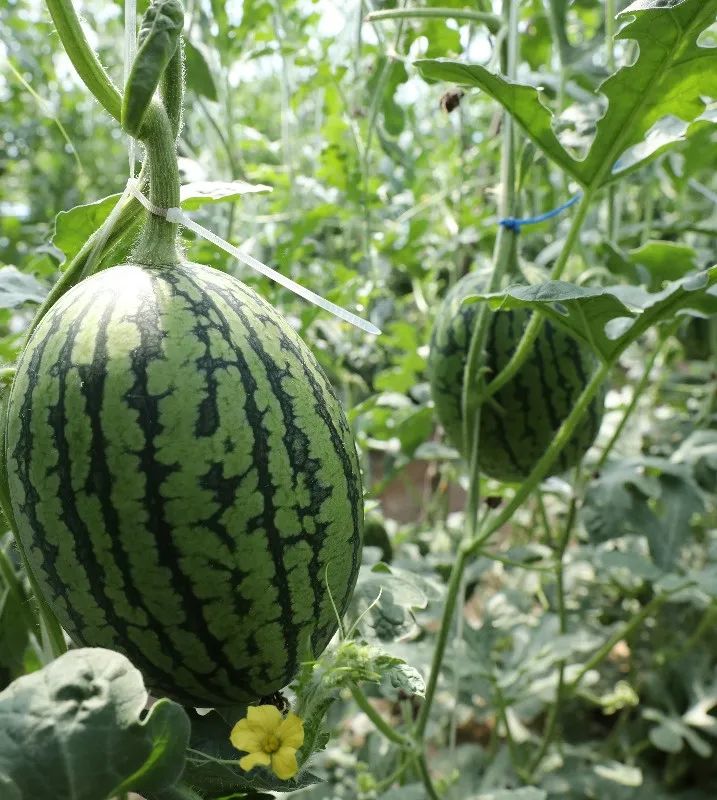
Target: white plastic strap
x: 176, y: 215
x: 130, y: 50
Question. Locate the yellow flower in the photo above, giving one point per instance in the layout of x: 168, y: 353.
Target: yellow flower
x: 270, y: 740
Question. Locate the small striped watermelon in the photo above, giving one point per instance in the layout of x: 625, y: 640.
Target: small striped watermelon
x: 184, y: 481
x: 520, y: 422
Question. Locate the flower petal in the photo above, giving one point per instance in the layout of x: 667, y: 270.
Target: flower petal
x: 283, y: 762
x: 266, y: 718
x: 245, y: 737
x: 291, y: 731
x: 254, y: 760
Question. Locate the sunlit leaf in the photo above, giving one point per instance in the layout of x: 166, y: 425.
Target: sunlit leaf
x: 671, y: 77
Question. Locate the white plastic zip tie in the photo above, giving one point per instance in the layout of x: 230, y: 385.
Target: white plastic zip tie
x: 130, y: 50
x: 177, y: 216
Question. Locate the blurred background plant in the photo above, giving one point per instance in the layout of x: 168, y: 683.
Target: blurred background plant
x: 583, y: 672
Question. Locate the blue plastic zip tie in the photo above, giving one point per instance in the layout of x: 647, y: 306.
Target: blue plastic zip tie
x: 515, y: 224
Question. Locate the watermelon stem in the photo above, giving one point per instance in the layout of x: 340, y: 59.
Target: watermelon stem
x: 83, y: 57
x: 471, y: 400
x: 539, y: 471
x: 378, y: 721
x: 551, y: 723
x: 158, y: 243
x: 535, y: 324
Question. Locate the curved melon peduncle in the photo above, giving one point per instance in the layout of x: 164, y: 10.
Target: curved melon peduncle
x: 158, y: 243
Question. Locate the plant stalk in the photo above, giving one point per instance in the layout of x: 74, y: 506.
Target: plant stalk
x: 561, y: 439
x: 82, y: 56
x: 491, y: 21
x: 378, y: 721
x: 158, y: 243
x: 636, y: 394
x: 552, y: 720
x: 619, y: 635
x: 469, y: 400
x: 532, y: 329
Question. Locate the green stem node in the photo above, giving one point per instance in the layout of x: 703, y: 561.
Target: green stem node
x: 158, y: 243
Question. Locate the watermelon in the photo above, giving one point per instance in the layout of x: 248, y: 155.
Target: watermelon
x: 184, y: 481
x: 518, y: 424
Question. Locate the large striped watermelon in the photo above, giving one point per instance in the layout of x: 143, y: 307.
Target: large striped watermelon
x: 519, y: 423
x: 184, y: 481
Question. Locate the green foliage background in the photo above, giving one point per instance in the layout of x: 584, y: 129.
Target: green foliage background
x: 381, y: 200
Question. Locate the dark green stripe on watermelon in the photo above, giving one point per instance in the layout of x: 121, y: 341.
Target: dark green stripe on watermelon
x: 185, y: 481
x: 520, y: 423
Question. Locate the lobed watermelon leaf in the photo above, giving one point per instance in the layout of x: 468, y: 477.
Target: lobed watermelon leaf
x: 75, y: 226
x: 610, y: 318
x: 651, y: 102
x: 74, y: 730
x: 649, y: 497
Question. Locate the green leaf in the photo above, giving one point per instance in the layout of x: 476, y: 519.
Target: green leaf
x: 609, y: 318
x: 384, y: 600
x: 199, y: 76
x: 664, y: 260
x: 18, y: 287
x: 412, y: 791
x: 523, y: 102
x: 528, y: 793
x: 643, y: 496
x: 73, y: 730
x: 74, y: 227
x: 679, y: 500
x: 158, y: 39
x: 167, y: 728
x: 671, y: 76
x: 387, y: 75
x: 584, y: 311
x: 616, y: 503
x: 199, y: 193
x: 405, y: 679
x: 13, y: 637
x: 671, y: 733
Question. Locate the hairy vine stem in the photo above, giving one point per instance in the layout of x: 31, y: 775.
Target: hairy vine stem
x: 83, y: 56
x: 470, y: 401
x: 158, y: 243
x: 552, y: 719
x: 532, y: 329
